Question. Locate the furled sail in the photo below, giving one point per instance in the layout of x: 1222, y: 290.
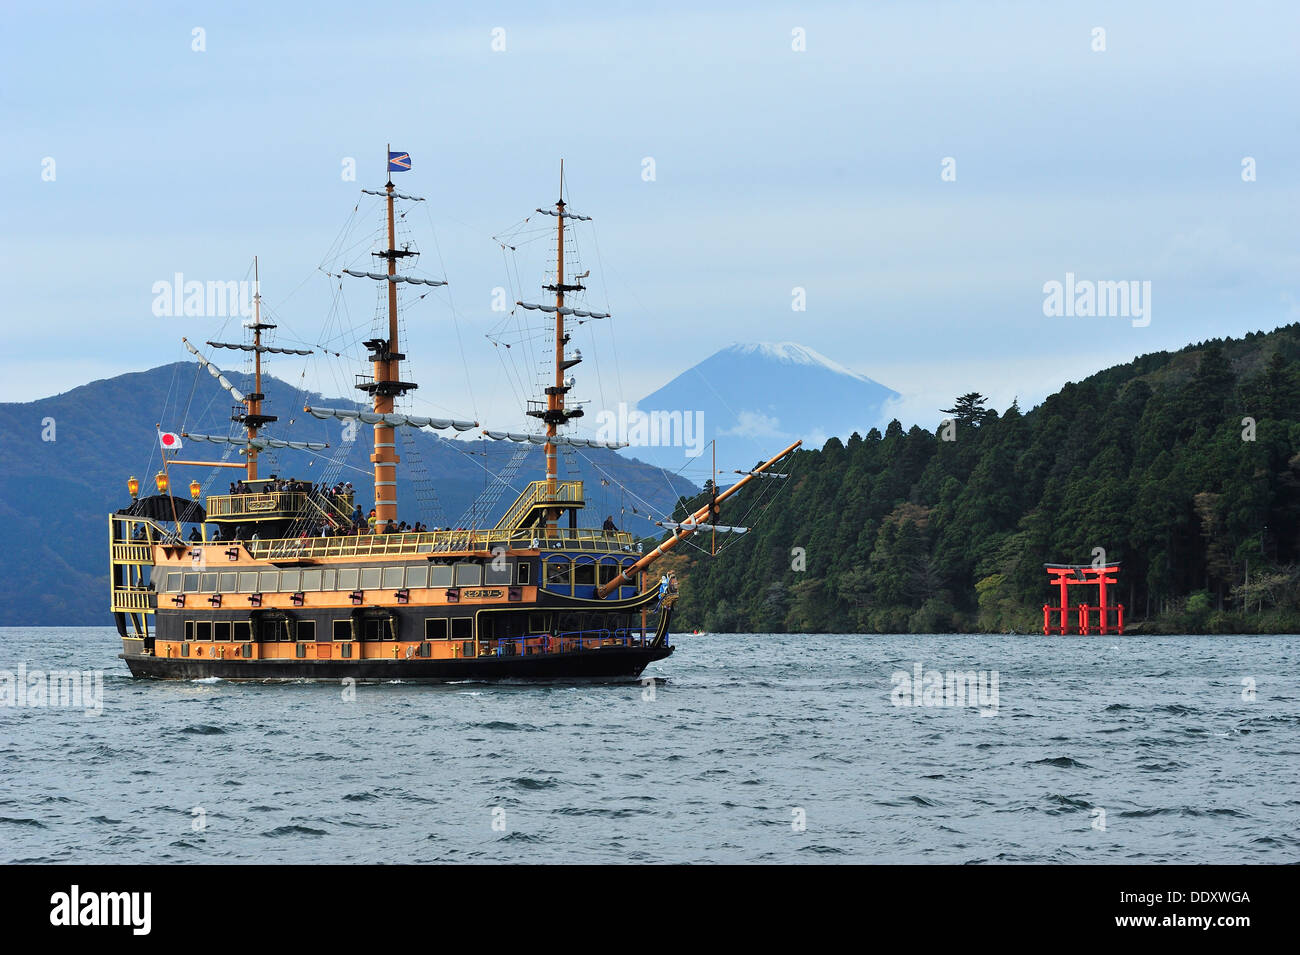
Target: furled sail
x: 396, y: 195
x: 381, y: 277
x: 565, y: 310
x: 558, y: 439
x: 392, y: 419
x: 259, y: 444
x: 720, y: 528
x: 262, y: 348
x: 215, y: 372
x: 564, y: 215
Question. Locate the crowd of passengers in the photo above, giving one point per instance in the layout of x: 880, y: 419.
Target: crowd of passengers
x: 274, y: 483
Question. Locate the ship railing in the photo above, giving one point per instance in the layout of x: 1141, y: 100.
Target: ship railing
x: 431, y: 543
x: 133, y: 538
x: 537, y: 493
x: 128, y: 599
x: 271, y: 503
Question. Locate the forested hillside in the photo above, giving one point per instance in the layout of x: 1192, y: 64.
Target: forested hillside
x: 1185, y: 466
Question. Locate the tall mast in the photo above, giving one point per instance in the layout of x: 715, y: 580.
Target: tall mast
x: 255, y: 400
x: 555, y: 395
x: 387, y: 363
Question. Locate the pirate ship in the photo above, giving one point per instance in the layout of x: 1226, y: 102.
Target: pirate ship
x: 276, y: 580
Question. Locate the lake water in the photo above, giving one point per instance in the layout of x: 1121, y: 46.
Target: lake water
x: 745, y: 748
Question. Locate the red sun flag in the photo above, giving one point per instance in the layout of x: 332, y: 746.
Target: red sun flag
x: 169, y: 441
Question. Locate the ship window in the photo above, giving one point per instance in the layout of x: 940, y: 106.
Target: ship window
x: 417, y: 576
x: 191, y: 582
x: 311, y: 580
x: 393, y: 577
x: 248, y: 583
x: 227, y: 583
x: 290, y: 580
x: 342, y: 629
x: 370, y: 578
x: 537, y: 623
x: 469, y: 574
x: 348, y: 577
x: 203, y: 630
x: 173, y: 583
x: 270, y: 581
x: 243, y: 631
x: 608, y: 572
x: 372, y: 629
x: 462, y: 628
x: 209, y: 583
x: 497, y: 571
x: 557, y: 573
x: 584, y: 574
x: 284, y: 629
x: 435, y: 628
x: 327, y: 579
x: 221, y: 631
x: 307, y: 630
x: 189, y: 629
x: 523, y: 571
x: 440, y: 575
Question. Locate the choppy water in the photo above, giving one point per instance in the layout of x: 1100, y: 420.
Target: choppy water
x: 742, y: 733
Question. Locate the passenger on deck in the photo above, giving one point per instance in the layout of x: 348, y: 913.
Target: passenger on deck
x: 195, y: 535
x: 609, y: 523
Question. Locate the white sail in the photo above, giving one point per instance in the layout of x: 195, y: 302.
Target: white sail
x: 262, y: 348
x: 215, y: 372
x: 581, y: 313
x: 381, y: 277
x: 396, y: 195
x: 259, y: 444
x: 392, y: 419
x: 720, y: 528
x: 564, y: 215
x: 558, y: 439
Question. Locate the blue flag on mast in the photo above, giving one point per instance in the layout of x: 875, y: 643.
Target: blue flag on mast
x: 399, y: 162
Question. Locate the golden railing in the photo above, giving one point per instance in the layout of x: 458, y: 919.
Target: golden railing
x: 256, y: 505
x: 132, y: 599
x: 566, y: 492
x: 132, y: 553
x: 435, y: 542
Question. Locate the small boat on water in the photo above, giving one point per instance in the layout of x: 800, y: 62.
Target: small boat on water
x: 287, y: 580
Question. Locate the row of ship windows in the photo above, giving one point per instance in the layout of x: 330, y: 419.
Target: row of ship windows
x: 241, y: 631
x: 560, y: 575
x: 346, y: 578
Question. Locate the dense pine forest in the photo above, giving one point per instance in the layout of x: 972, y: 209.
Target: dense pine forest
x: 1184, y: 466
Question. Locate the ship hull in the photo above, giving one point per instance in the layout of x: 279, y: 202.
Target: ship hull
x: 606, y: 663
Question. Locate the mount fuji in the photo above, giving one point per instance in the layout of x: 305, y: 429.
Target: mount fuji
x: 756, y: 398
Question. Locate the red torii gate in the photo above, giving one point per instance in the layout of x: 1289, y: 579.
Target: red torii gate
x: 1066, y: 575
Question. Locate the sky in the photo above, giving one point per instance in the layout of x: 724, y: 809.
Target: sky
x: 920, y: 170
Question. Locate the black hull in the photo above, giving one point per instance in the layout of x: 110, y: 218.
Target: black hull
x: 605, y: 663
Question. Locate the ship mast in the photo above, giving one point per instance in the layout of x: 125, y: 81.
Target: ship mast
x: 386, y: 359
x: 255, y: 399
x: 556, y: 414
x: 555, y: 395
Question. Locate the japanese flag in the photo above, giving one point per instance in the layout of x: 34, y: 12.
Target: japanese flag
x: 169, y: 441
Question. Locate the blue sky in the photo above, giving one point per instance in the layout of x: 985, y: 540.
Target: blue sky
x: 774, y: 169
